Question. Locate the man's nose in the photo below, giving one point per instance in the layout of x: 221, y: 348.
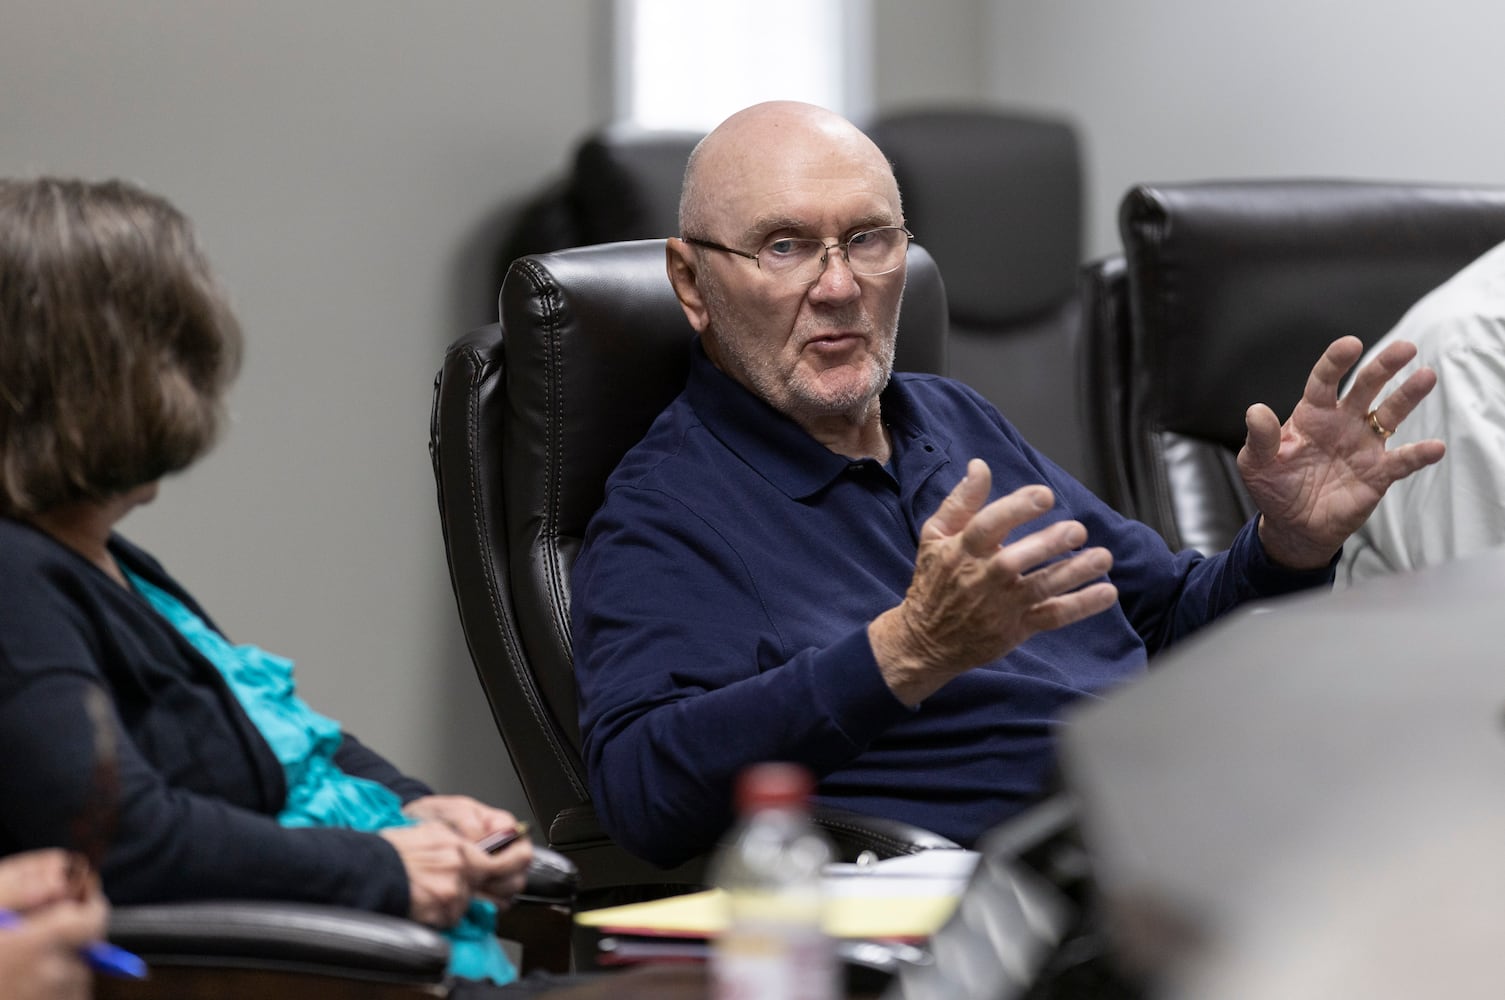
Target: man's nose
x: 837, y: 281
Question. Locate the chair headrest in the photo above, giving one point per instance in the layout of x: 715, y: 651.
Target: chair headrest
x: 626, y: 182
x: 1236, y: 286
x: 997, y: 198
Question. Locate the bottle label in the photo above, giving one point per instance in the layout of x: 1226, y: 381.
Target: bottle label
x: 774, y: 962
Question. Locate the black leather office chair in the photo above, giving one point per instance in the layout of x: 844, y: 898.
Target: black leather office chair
x: 996, y: 196
x: 255, y: 948
x: 530, y: 418
x: 243, y: 949
x: 1232, y: 290
x: 232, y: 949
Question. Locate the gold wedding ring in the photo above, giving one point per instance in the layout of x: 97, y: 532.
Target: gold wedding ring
x: 1379, y: 428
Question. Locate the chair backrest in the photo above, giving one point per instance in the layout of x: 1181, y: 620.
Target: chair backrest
x: 530, y: 418
x: 623, y: 184
x: 996, y: 196
x: 1233, y: 290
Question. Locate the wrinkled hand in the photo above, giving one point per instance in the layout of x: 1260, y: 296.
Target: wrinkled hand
x: 972, y: 599
x: 1318, y: 477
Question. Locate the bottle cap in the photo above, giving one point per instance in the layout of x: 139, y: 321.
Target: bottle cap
x: 774, y: 784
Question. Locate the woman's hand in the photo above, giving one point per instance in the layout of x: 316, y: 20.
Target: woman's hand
x: 40, y: 959
x: 502, y: 875
x: 498, y: 876
x: 59, y: 913
x: 35, y: 878
x: 439, y: 863
x: 463, y: 814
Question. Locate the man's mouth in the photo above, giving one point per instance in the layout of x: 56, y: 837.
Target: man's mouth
x: 836, y: 341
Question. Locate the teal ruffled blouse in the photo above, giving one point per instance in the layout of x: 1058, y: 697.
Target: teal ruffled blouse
x: 318, y: 792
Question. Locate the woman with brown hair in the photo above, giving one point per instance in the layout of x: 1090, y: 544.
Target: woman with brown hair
x: 117, y: 346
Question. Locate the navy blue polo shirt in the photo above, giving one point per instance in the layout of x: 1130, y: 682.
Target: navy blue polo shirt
x: 722, y: 596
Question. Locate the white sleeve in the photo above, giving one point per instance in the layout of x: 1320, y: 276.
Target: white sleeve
x: 1456, y: 507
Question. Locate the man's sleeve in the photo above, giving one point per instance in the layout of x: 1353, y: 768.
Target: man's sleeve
x: 1169, y: 595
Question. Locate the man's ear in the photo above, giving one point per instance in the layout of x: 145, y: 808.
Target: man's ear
x: 679, y: 258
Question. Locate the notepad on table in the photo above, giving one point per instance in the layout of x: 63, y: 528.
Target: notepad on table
x: 904, y: 899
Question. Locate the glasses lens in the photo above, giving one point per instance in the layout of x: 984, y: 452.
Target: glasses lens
x: 871, y: 252
x: 877, y: 251
x: 790, y: 258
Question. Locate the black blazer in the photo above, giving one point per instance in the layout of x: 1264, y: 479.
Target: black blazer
x: 198, y: 788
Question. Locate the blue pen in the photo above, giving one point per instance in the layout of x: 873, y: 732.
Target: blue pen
x: 102, y: 956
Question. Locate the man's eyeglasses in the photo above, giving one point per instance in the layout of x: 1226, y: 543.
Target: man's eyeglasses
x: 802, y: 261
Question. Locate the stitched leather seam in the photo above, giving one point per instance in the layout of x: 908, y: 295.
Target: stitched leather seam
x: 510, y: 639
x: 493, y: 592
x: 865, y: 834
x: 548, y: 294
x: 553, y: 302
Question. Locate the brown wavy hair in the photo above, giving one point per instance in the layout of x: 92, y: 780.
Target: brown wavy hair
x: 117, y: 343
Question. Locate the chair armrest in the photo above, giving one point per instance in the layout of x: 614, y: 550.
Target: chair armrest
x: 336, y: 941
x: 541, y: 917
x: 552, y: 879
x: 856, y: 833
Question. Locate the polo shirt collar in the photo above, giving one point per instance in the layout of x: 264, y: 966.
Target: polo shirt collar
x: 775, y: 446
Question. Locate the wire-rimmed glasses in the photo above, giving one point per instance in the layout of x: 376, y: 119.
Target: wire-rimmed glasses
x: 802, y: 261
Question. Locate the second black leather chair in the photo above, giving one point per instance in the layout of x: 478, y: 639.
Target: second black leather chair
x: 1226, y: 295
x: 996, y: 195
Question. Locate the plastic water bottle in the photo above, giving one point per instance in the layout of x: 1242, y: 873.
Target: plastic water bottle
x: 774, y: 946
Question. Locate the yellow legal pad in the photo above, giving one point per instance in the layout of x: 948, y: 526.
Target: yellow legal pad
x: 701, y: 914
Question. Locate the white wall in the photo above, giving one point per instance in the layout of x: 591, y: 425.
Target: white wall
x: 346, y: 162
x: 1169, y: 90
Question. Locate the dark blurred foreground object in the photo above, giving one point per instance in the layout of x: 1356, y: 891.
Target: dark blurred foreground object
x: 1027, y: 926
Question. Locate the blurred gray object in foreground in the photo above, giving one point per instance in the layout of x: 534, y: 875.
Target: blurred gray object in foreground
x: 1309, y: 764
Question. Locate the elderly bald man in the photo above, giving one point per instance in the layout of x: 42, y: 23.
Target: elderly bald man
x: 812, y: 558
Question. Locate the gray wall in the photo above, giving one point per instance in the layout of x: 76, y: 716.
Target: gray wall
x: 1184, y: 89
x: 929, y: 52
x: 346, y: 163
